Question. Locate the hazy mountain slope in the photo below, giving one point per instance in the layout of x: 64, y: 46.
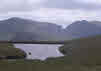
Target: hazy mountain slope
x: 24, y: 29
x: 83, y: 29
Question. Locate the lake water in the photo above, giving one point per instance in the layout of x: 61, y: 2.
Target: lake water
x: 40, y: 51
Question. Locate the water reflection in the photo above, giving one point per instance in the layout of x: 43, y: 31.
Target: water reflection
x: 40, y: 51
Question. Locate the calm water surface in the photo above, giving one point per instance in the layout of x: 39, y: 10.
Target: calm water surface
x: 40, y: 51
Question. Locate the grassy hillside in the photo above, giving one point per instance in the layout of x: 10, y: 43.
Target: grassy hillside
x: 64, y: 63
x: 9, y: 50
x: 32, y: 65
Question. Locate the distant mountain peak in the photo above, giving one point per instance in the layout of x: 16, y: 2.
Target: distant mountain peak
x: 15, y: 18
x: 84, y: 29
x: 81, y: 22
x: 84, y: 21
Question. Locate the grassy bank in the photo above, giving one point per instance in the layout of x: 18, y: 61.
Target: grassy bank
x: 37, y: 65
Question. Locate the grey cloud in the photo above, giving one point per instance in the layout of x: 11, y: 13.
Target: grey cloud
x: 13, y: 9
x: 17, y: 5
x: 12, y: 5
x: 71, y: 4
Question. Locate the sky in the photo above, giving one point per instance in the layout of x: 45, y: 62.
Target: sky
x: 62, y: 12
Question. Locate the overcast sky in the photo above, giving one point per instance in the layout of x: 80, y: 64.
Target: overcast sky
x: 57, y: 11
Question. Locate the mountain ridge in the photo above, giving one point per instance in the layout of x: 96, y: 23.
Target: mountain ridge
x: 24, y: 29
x: 16, y: 28
x: 83, y: 28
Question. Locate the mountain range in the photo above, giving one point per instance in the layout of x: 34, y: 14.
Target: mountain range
x: 24, y: 29
x: 84, y: 28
